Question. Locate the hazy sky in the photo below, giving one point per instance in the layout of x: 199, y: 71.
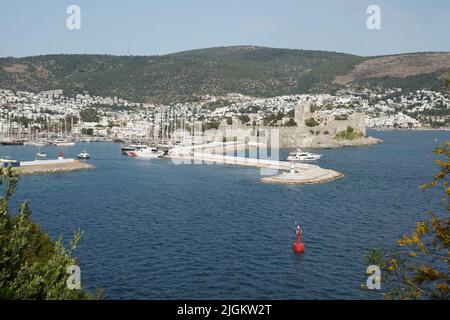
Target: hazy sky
x: 164, y: 26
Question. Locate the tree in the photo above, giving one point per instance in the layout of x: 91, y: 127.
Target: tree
x: 32, y: 266
x: 418, y: 267
x: 89, y: 115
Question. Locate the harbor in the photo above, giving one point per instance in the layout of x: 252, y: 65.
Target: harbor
x: 232, y: 223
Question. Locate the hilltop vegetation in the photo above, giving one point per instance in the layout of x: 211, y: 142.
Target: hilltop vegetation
x: 254, y: 71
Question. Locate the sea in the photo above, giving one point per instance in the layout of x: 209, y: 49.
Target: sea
x: 154, y: 229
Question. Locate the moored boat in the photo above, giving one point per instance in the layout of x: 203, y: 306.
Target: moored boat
x: 147, y: 152
x: 83, y: 155
x: 300, y: 155
x: 133, y: 147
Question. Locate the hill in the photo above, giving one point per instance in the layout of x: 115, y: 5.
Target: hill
x: 250, y: 70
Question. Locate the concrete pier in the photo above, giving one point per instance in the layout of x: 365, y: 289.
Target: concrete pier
x: 52, y: 166
x: 303, y: 173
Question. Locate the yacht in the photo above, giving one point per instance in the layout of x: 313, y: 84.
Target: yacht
x: 83, y: 155
x: 133, y: 147
x: 147, y: 152
x: 62, y: 143
x: 300, y: 155
x: 41, y: 155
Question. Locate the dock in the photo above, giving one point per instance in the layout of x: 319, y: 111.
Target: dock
x: 292, y: 173
x: 52, y: 166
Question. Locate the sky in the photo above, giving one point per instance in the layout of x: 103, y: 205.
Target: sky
x: 156, y: 27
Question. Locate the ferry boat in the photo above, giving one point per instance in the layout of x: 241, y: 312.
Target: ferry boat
x: 300, y: 155
x: 147, y: 152
x: 83, y: 155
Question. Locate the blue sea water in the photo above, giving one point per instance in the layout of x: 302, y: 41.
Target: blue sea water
x: 155, y: 230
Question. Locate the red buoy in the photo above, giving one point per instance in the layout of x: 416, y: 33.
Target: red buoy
x: 299, y: 247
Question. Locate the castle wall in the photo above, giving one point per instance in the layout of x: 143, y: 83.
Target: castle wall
x: 302, y: 135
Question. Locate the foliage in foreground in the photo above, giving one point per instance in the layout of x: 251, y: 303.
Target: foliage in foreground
x: 418, y: 267
x: 32, y: 266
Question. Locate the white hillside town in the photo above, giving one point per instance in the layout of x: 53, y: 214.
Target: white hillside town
x: 26, y: 115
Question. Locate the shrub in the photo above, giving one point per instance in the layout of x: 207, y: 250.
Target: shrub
x: 32, y: 266
x: 244, y: 119
x: 349, y: 134
x: 291, y: 123
x: 311, y: 122
x: 340, y: 118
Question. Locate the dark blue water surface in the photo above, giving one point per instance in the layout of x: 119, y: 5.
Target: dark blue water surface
x: 155, y: 230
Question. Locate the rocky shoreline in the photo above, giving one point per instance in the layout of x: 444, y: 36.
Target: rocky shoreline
x: 356, y: 143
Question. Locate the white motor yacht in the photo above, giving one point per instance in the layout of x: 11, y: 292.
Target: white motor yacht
x: 83, y: 155
x: 300, y: 155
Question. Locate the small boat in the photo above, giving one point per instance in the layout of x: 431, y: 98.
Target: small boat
x: 63, y: 143
x: 83, y: 155
x: 147, y: 152
x: 300, y: 155
x: 163, y: 153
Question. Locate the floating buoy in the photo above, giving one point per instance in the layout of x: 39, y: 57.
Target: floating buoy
x: 299, y: 247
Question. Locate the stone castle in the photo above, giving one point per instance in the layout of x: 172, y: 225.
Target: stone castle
x: 313, y: 130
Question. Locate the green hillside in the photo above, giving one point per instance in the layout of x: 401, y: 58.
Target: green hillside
x: 255, y: 71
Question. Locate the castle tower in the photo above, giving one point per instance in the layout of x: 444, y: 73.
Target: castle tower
x: 301, y: 111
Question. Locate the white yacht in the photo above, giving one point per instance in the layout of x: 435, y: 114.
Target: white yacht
x: 300, y: 155
x: 83, y: 155
x: 147, y: 152
x: 63, y: 143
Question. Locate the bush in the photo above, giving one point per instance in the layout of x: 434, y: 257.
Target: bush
x: 244, y: 119
x: 89, y: 115
x: 340, y: 118
x: 32, y: 266
x: 417, y: 267
x: 291, y: 123
x: 349, y: 134
x: 311, y: 122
